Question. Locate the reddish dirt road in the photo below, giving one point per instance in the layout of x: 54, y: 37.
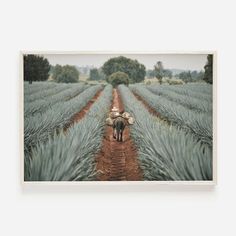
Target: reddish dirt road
x: 150, y: 109
x: 118, y: 160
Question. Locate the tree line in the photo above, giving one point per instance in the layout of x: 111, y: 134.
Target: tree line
x: 187, y: 76
x: 115, y: 71
x: 65, y: 74
x: 37, y: 68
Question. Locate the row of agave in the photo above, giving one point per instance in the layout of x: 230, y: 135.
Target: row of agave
x: 36, y: 87
x: 38, y: 128
x: 60, y: 93
x: 196, y: 104
x: 71, y: 157
x: 199, y: 124
x: 190, y: 91
x: 46, y: 92
x: 166, y: 152
x: 200, y: 88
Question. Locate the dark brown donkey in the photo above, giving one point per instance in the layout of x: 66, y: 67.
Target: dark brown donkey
x: 118, y: 128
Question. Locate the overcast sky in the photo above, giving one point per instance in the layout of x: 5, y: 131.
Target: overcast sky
x: 170, y: 61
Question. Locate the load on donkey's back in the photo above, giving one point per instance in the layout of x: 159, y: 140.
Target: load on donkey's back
x: 118, y: 120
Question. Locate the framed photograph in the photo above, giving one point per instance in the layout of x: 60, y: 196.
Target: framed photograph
x: 116, y: 117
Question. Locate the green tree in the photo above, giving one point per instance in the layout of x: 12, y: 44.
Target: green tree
x: 168, y: 74
x: 191, y: 76
x: 185, y: 76
x: 36, y: 68
x: 150, y: 74
x: 69, y: 74
x: 197, y: 75
x: 102, y: 76
x: 118, y: 78
x: 200, y: 75
x: 208, y: 76
x: 56, y: 71
x: 94, y: 74
x: 159, y: 71
x: 135, y: 71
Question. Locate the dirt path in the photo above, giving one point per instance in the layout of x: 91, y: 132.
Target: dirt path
x: 151, y: 110
x: 79, y: 115
x: 118, y: 160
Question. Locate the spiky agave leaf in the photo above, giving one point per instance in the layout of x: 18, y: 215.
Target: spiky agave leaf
x: 41, y: 105
x: 203, y: 92
x: 49, y: 91
x: 71, y: 157
x: 200, y: 124
x: 37, y: 87
x: 166, y: 153
x: 195, y: 104
x: 38, y: 128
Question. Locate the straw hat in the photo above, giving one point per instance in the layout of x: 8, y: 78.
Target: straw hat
x: 114, y: 109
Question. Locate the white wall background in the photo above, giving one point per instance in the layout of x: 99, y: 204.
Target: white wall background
x: 117, y: 25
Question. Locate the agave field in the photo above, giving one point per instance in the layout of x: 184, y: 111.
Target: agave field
x: 66, y: 138
x: 168, y: 151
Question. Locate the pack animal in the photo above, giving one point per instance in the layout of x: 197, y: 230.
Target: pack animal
x: 118, y: 127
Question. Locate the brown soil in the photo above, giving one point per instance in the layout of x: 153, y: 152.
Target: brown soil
x: 151, y: 110
x: 118, y: 160
x: 79, y: 115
